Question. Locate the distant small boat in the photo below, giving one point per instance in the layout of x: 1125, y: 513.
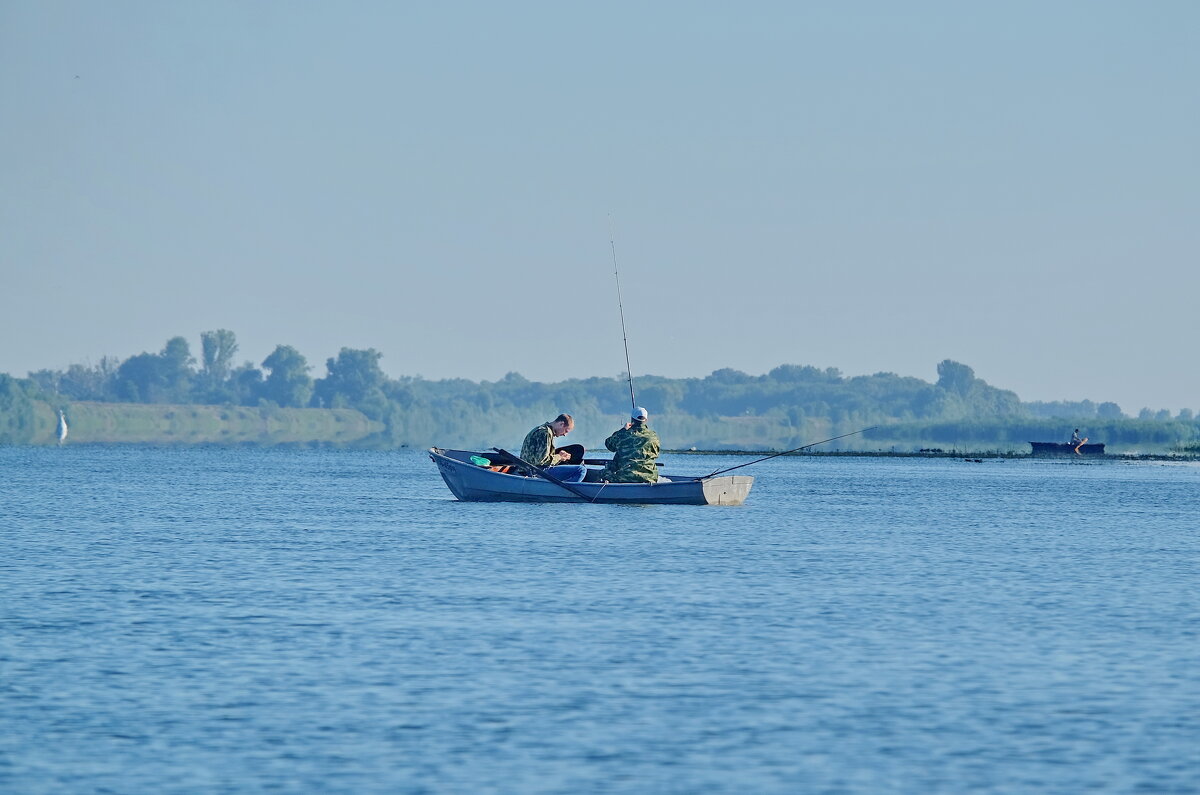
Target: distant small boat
x: 471, y: 482
x: 1063, y: 448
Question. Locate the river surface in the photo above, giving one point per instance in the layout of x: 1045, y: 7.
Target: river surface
x: 241, y: 620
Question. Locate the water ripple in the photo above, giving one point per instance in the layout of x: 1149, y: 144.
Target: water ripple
x: 329, y: 621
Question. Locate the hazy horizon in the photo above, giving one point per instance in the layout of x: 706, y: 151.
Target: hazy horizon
x: 874, y: 188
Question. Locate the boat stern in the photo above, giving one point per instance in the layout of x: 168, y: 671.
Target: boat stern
x: 728, y: 490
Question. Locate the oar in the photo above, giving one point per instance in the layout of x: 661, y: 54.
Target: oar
x: 521, y: 461
x: 785, y: 452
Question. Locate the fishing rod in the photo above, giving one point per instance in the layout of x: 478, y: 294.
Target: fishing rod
x: 786, y: 452
x: 624, y: 336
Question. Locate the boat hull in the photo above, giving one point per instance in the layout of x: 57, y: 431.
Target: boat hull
x: 471, y: 483
x: 1057, y: 448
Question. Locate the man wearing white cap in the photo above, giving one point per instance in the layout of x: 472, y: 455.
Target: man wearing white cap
x: 635, y: 449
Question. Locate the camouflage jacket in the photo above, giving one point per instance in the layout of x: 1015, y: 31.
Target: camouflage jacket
x: 636, y: 450
x: 538, y: 447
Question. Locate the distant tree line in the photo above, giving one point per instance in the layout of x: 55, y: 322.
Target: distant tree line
x: 174, y: 376
x: 1082, y: 409
x: 727, y: 409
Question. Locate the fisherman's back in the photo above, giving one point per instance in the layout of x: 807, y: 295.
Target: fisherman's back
x: 538, y: 447
x: 635, y: 451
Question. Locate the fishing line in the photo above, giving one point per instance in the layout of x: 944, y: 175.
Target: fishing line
x: 785, y: 452
x: 628, y: 370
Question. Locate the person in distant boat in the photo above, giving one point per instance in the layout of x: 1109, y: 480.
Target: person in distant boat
x: 1075, y: 439
x: 538, y: 449
x: 635, y: 450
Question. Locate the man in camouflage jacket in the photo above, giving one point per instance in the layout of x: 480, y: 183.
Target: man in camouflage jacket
x: 538, y: 447
x: 635, y: 449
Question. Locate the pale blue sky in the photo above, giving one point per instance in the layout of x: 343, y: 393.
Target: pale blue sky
x: 870, y: 186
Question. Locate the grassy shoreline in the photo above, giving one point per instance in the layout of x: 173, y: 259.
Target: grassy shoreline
x: 136, y: 423
x: 34, y: 422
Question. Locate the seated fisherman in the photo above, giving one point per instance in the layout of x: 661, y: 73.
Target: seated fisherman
x: 635, y: 449
x: 538, y: 449
x: 1075, y: 440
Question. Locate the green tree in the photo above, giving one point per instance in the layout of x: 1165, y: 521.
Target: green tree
x: 354, y: 380
x: 91, y: 383
x: 18, y: 423
x: 164, y: 377
x: 81, y: 382
x: 954, y: 377
x: 217, y: 350
x: 48, y: 380
x: 288, y: 382
x: 352, y: 376
x: 140, y: 379
x: 245, y: 385
x: 177, y: 372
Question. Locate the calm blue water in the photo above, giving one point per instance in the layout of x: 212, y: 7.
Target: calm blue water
x: 317, y: 621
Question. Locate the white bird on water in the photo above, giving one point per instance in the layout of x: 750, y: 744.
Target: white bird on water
x: 62, y: 427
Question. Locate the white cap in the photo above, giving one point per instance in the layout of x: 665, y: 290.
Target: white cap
x: 639, y: 414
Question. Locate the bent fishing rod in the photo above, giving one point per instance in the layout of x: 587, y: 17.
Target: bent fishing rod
x: 624, y: 336
x: 787, y: 452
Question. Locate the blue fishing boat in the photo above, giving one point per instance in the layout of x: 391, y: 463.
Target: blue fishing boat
x: 1065, y: 448
x: 473, y: 482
